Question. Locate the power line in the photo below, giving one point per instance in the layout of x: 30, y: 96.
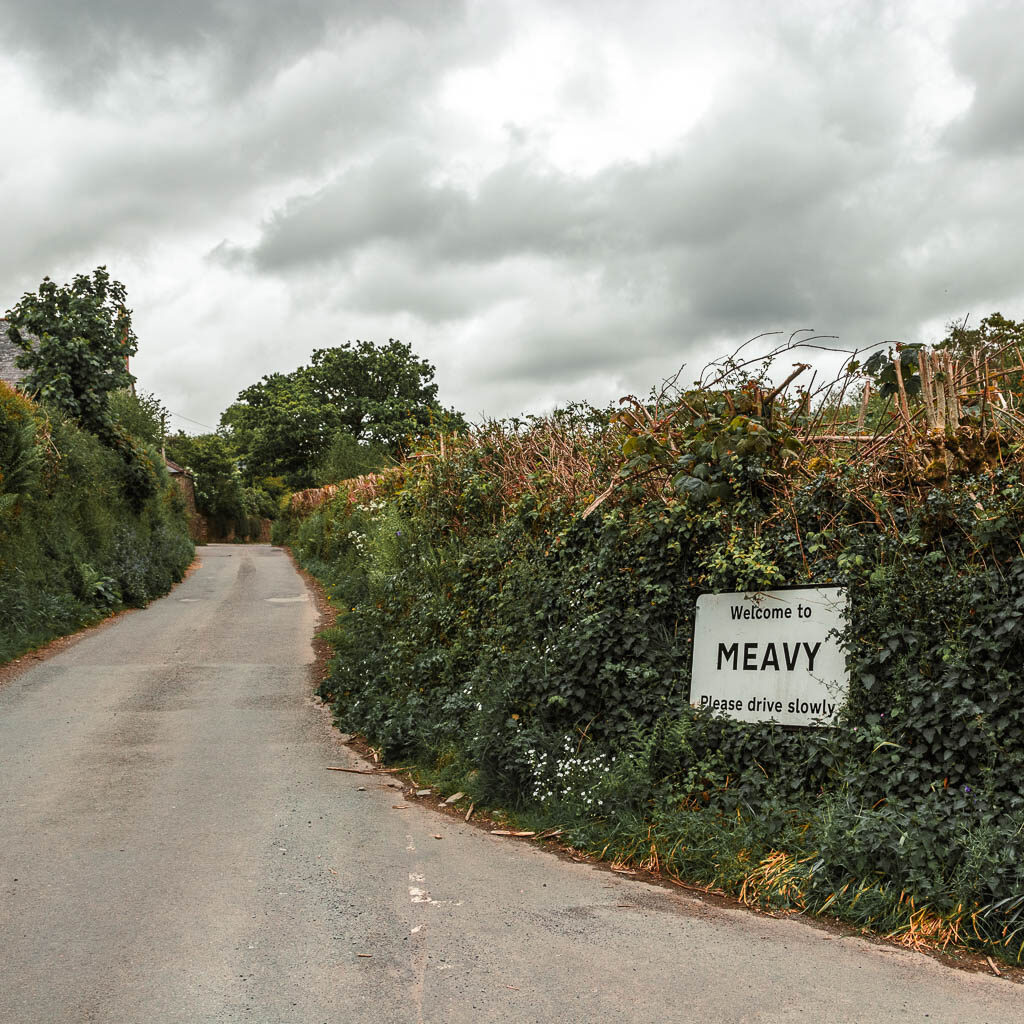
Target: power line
x: 205, y: 426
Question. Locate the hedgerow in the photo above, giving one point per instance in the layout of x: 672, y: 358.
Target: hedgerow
x: 83, y: 529
x: 516, y: 607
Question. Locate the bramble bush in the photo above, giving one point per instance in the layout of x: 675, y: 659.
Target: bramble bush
x: 503, y: 611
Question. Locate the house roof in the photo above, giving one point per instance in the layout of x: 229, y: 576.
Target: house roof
x: 174, y: 469
x: 9, y: 373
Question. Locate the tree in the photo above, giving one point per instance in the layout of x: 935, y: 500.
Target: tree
x: 221, y: 494
x: 75, y: 341
x: 280, y: 428
x: 994, y: 347
x: 995, y: 338
x: 364, y: 403
x: 347, y: 458
x: 211, y: 460
x: 140, y: 414
x: 378, y: 393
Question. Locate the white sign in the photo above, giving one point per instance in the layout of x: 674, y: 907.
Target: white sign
x: 771, y: 656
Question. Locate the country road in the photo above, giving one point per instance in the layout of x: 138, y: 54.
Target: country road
x: 172, y: 849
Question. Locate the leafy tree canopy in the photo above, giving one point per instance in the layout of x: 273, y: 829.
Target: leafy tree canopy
x: 210, y: 458
x: 378, y: 398
x: 140, y: 414
x: 347, y: 458
x: 75, y: 340
x: 220, y: 490
x: 996, y: 337
x: 382, y: 394
x: 279, y: 427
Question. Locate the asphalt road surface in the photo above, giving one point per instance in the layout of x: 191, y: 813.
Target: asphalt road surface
x: 172, y: 849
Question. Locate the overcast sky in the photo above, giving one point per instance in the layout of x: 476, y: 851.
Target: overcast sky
x: 551, y: 201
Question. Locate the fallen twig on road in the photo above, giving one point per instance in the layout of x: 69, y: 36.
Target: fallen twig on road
x: 548, y: 833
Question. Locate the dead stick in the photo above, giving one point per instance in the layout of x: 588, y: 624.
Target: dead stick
x: 927, y: 394
x: 984, y: 397
x: 897, y: 365
x: 770, y: 397
x: 864, y: 406
x: 938, y: 390
x: 598, y: 500
x: 952, y: 402
x: 853, y: 438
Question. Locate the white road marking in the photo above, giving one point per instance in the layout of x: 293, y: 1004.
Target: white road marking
x: 416, y: 893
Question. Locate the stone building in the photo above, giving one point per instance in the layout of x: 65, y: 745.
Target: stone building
x: 9, y: 373
x: 182, y: 478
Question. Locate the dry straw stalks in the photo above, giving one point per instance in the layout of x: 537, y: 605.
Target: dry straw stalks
x: 941, y: 415
x: 360, y: 490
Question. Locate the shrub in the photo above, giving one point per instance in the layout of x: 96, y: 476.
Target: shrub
x: 76, y: 539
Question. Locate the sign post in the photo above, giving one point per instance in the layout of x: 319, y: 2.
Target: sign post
x: 773, y: 655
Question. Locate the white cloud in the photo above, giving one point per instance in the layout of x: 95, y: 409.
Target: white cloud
x: 550, y: 200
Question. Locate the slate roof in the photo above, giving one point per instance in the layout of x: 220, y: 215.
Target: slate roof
x: 9, y: 373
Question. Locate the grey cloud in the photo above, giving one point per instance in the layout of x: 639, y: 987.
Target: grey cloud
x: 708, y: 233
x: 770, y: 150
x: 986, y: 51
x: 384, y: 280
x: 801, y: 198
x: 561, y: 346
x: 522, y: 208
x: 517, y: 209
x: 79, y: 47
x: 736, y: 170
x: 123, y: 189
x: 385, y: 199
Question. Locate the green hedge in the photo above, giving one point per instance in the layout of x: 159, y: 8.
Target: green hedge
x: 84, y: 528
x: 541, y: 659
